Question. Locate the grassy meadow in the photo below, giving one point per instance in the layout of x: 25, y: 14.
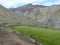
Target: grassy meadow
x: 46, y: 36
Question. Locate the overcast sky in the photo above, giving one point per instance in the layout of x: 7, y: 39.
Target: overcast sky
x: 16, y: 3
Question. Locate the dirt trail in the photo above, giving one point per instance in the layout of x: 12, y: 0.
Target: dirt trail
x: 8, y: 37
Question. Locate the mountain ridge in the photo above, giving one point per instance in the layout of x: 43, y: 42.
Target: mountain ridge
x: 41, y: 17
x: 25, y: 8
x: 45, y: 16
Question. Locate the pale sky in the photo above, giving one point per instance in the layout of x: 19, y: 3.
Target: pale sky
x: 16, y: 3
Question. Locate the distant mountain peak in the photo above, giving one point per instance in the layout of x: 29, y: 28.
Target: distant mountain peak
x: 30, y: 4
x: 25, y: 8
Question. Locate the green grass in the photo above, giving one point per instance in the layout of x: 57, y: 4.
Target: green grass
x: 46, y: 36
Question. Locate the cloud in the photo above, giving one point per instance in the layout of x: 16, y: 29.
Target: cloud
x: 11, y: 3
x: 51, y: 2
x: 16, y: 3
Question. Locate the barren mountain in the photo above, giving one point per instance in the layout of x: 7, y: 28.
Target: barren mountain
x: 25, y: 8
x: 42, y: 16
x: 10, y: 17
x: 45, y: 16
x: 7, y: 16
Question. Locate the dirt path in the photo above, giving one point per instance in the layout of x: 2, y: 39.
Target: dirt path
x: 8, y: 37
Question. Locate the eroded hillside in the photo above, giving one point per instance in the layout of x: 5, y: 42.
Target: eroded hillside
x: 41, y: 16
x: 48, y: 16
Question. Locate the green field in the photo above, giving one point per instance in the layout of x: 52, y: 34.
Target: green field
x: 46, y: 36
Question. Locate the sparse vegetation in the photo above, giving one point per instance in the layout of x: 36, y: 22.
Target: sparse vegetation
x: 46, y: 36
x: 3, y: 24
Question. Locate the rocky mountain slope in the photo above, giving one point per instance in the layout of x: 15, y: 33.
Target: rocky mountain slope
x: 25, y: 8
x: 9, y: 17
x: 42, y: 16
x: 12, y: 18
x: 48, y: 16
